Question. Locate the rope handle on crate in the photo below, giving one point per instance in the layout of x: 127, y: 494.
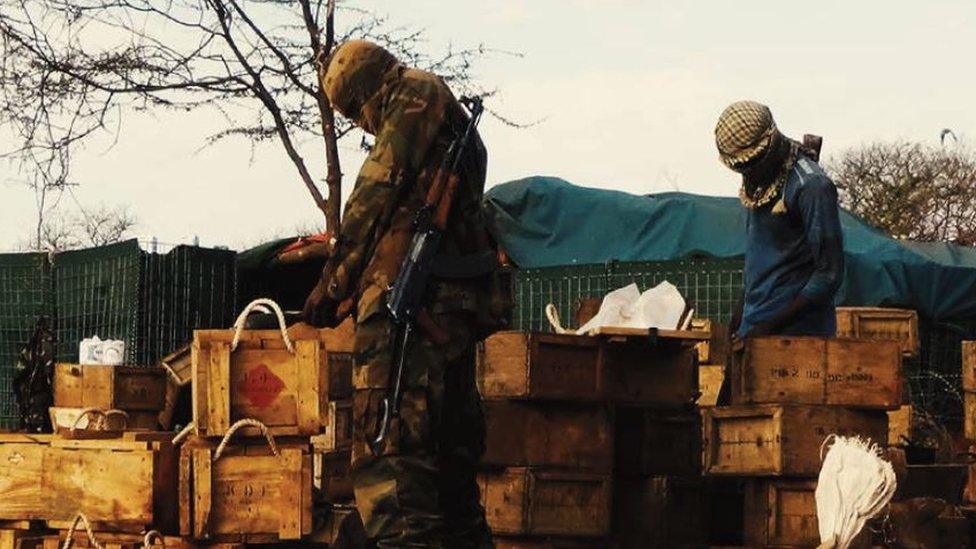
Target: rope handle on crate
x: 246, y: 422
x: 151, y: 535
x: 241, y: 318
x: 184, y: 432
x: 552, y: 314
x: 172, y: 373
x: 99, y: 423
x: 70, y: 536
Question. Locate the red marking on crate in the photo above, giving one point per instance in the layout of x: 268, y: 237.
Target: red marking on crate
x: 261, y: 386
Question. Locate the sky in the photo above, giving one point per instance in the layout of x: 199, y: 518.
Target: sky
x: 625, y: 93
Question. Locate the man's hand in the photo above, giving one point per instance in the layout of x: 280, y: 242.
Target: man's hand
x: 762, y: 329
x: 774, y: 326
x: 320, y: 310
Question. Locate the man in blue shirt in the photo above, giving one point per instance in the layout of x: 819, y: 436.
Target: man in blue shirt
x: 794, y: 247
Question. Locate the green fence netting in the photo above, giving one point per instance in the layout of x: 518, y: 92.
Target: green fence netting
x: 151, y: 301
x: 97, y: 293
x: 713, y: 287
x: 25, y: 295
x: 185, y: 289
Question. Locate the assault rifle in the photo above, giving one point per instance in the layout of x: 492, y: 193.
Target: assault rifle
x: 404, y: 299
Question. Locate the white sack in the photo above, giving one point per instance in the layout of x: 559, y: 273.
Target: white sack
x: 855, y: 484
x: 659, y: 307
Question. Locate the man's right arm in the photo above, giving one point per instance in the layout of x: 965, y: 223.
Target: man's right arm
x: 402, y: 144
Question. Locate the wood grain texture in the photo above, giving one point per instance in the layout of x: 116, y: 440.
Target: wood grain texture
x: 248, y: 493
x: 125, y: 484
x: 780, y: 440
x: 287, y: 392
x: 524, y: 501
x: 21, y: 467
x: 522, y: 365
x: 218, y: 389
x: 783, y: 513
x: 109, y: 387
x: 810, y: 370
x: 879, y: 323
x: 969, y: 366
x: 548, y: 434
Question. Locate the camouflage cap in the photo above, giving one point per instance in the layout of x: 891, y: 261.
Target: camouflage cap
x: 743, y: 133
x: 354, y: 73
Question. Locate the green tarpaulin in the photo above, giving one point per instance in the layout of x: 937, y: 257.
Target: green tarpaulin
x: 546, y: 221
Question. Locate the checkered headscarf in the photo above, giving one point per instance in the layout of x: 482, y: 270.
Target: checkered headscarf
x: 743, y: 133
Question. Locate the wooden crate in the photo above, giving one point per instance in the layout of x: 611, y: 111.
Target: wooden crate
x: 657, y: 442
x: 523, y: 501
x: 969, y: 415
x: 900, y: 425
x: 21, y: 466
x: 262, y: 380
x: 880, y: 323
x: 21, y: 539
x: 710, y: 378
x: 523, y: 433
x: 661, y: 511
x: 811, y: 370
x: 780, y: 440
x: 109, y: 387
x: 783, y: 513
x: 64, y: 420
x: 704, y: 348
x: 248, y: 494
x: 339, y: 430
x: 124, y: 484
x: 331, y: 473
x: 715, y: 349
x: 178, y: 366
x: 531, y: 365
x: 969, y: 366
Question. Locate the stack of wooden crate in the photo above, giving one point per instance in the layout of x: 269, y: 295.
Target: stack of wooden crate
x: 585, y: 430
x: 278, y: 475
x: 883, y: 323
x: 271, y: 433
x: 122, y: 482
x: 788, y: 394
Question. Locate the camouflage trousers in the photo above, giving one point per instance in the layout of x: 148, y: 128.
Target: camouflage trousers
x: 421, y: 491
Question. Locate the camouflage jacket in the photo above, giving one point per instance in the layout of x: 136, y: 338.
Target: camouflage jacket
x: 416, y: 118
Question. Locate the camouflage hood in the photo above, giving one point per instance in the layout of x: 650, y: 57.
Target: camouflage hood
x: 355, y: 75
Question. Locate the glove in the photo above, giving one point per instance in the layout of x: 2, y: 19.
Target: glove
x: 321, y: 310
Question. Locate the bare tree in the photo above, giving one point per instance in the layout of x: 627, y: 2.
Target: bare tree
x: 72, y: 68
x: 104, y: 225
x: 86, y: 227
x: 911, y: 190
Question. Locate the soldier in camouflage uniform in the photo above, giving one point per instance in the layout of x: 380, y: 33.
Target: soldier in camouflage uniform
x: 421, y: 490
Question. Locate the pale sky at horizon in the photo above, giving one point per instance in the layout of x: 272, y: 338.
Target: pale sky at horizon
x: 628, y: 92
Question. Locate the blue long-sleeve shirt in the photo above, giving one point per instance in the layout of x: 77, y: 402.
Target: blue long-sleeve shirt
x: 796, y: 253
